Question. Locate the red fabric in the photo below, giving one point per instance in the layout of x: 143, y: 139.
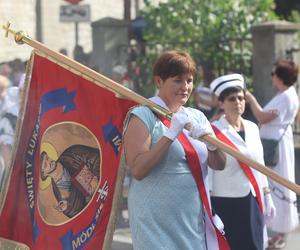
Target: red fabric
x: 63, y: 97
x: 244, y: 166
x: 194, y: 164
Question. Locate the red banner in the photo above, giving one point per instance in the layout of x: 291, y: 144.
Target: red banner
x: 64, y: 173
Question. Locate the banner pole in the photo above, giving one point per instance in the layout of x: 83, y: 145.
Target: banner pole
x: 21, y: 38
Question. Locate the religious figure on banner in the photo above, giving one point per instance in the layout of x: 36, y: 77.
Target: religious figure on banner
x: 72, y: 175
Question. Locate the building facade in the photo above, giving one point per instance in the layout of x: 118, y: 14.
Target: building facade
x: 55, y: 34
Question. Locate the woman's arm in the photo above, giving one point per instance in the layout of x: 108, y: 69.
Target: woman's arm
x: 213, y: 102
x: 141, y: 157
x: 260, y: 115
x: 216, y: 159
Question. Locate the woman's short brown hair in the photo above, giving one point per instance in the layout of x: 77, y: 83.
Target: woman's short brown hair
x: 173, y: 63
x: 287, y: 71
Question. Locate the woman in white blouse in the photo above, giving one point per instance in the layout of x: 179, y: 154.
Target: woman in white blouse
x: 275, y: 120
x: 240, y: 195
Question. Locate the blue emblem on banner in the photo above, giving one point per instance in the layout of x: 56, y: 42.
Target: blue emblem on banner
x: 113, y: 136
x: 58, y: 98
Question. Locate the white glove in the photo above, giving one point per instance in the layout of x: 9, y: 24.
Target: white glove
x: 218, y: 223
x: 270, y: 209
x: 203, y: 128
x: 178, y: 121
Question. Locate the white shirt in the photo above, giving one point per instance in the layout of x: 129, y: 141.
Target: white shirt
x: 232, y: 181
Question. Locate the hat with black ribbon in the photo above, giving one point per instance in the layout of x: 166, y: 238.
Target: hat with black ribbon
x: 223, y: 82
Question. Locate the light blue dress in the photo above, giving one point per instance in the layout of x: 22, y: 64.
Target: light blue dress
x: 165, y: 211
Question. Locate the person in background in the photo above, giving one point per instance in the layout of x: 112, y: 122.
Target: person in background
x: 9, y: 111
x: 239, y: 195
x: 80, y: 56
x: 63, y: 51
x: 8, y: 121
x: 6, y: 71
x: 120, y: 75
x: 275, y: 120
x: 166, y: 210
x: 18, y: 69
x: 205, y: 100
x: 4, y: 84
x: 203, y: 96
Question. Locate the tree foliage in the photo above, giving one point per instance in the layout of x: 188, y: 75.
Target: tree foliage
x: 215, y: 32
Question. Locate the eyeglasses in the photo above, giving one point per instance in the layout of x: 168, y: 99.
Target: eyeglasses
x: 234, y: 98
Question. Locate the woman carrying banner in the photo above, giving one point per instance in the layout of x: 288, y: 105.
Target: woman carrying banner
x: 240, y: 195
x: 168, y: 204
x: 276, y: 119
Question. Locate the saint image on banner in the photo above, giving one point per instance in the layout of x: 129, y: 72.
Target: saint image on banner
x: 69, y: 171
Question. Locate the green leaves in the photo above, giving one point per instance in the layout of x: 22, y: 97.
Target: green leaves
x: 215, y: 32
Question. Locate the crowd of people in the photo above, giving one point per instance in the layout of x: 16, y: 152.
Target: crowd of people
x: 186, y: 193
x: 11, y: 82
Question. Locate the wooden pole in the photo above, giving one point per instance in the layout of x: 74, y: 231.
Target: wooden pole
x: 252, y: 163
x: 100, y: 80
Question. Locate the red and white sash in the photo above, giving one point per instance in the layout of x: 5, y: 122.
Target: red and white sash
x: 214, y: 238
x: 247, y: 170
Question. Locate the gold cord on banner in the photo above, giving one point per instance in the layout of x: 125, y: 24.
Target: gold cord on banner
x: 101, y: 80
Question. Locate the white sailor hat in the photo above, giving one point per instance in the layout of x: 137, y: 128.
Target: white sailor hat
x: 223, y: 82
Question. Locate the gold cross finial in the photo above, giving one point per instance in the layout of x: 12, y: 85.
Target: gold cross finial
x: 19, y: 36
x: 7, y: 29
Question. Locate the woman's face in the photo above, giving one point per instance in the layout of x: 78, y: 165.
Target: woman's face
x: 175, y: 91
x: 234, y: 104
x: 276, y: 82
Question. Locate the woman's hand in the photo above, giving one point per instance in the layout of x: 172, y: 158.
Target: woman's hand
x: 200, y: 129
x: 270, y: 209
x: 261, y: 115
x: 249, y: 97
x: 178, y: 122
x: 216, y: 158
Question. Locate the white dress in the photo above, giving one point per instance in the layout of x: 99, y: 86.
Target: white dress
x: 287, y: 104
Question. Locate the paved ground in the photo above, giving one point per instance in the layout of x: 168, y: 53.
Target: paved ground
x: 122, y: 240
x: 293, y: 241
